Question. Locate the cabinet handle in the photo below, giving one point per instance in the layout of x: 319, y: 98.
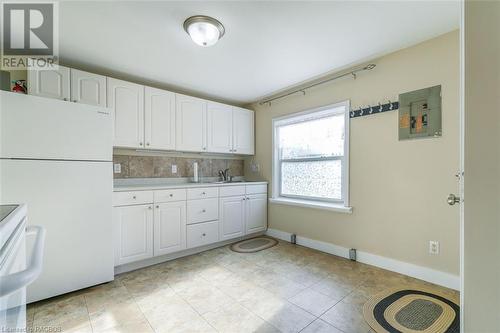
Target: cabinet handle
x: 157, y: 206
x: 147, y: 143
x: 234, y: 150
x: 65, y: 99
x: 171, y: 195
x: 140, y: 143
x: 204, y: 148
x: 74, y: 101
x: 150, y: 207
x: 204, y: 234
x: 244, y: 199
x: 203, y: 211
x: 203, y: 193
x: 134, y: 197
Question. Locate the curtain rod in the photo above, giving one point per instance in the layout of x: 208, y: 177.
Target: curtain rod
x: 303, y: 89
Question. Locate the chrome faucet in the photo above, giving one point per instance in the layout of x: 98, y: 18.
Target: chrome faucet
x: 224, y: 175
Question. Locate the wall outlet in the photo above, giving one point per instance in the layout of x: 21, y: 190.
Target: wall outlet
x: 174, y: 168
x: 117, y: 168
x: 433, y: 247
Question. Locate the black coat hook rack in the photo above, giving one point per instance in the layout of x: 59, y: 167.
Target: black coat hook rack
x: 361, y: 112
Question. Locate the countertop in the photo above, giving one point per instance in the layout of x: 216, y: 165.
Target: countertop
x: 149, y: 187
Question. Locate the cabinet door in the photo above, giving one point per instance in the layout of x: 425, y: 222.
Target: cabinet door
x: 219, y: 128
x: 88, y: 88
x: 191, y: 123
x: 159, y: 119
x: 133, y: 233
x: 127, y: 102
x: 256, y: 213
x: 243, y: 131
x: 49, y: 83
x: 169, y: 227
x: 231, y: 217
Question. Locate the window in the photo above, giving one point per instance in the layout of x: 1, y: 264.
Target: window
x: 310, y: 156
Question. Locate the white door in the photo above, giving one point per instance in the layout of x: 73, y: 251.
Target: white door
x: 88, y: 88
x: 219, y: 128
x: 191, y: 123
x: 256, y: 213
x: 133, y: 233
x: 126, y: 99
x: 231, y: 217
x: 159, y: 119
x: 50, y: 83
x: 243, y: 131
x: 169, y: 227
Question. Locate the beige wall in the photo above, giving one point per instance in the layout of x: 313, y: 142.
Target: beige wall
x: 397, y: 189
x: 482, y: 167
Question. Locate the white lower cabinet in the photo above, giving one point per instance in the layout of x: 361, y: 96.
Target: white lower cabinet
x: 232, y: 217
x: 154, y: 223
x: 256, y: 213
x: 133, y: 233
x: 169, y: 227
x: 202, y: 234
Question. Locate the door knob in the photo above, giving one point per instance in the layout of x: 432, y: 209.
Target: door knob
x: 453, y: 199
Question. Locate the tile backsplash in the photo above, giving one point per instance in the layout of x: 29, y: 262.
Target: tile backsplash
x: 161, y: 166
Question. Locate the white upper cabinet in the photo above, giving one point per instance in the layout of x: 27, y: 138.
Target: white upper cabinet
x: 219, y: 128
x: 191, y: 123
x: 127, y: 102
x: 159, y: 119
x: 88, y: 88
x: 243, y: 131
x: 49, y: 83
x: 169, y: 227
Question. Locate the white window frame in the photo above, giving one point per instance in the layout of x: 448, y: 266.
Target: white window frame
x: 341, y: 205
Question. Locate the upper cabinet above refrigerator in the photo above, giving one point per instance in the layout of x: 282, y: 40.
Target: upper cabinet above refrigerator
x: 152, y: 118
x: 50, y: 83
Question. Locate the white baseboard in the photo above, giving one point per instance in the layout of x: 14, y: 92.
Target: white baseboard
x: 419, y: 272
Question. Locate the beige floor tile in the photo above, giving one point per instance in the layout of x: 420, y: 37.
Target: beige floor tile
x: 137, y: 327
x: 332, y: 288
x: 98, y: 299
x: 347, y: 317
x: 59, y: 308
x: 320, y: 326
x: 287, y: 317
x: 66, y: 323
x: 205, y: 298
x: 235, y: 318
x: 117, y: 314
x: 179, y: 319
x: 283, y: 287
x: 313, y: 302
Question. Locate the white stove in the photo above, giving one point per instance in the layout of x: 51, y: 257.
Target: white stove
x: 15, y: 274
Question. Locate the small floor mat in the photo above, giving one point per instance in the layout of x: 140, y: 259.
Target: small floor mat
x: 409, y: 310
x: 254, y: 244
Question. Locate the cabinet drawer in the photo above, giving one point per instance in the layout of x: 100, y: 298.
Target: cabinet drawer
x: 230, y: 191
x: 202, y: 210
x: 169, y: 195
x: 132, y: 198
x: 256, y: 189
x: 202, y: 234
x: 202, y: 192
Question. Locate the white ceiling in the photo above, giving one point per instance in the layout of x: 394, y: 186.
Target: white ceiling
x: 268, y: 46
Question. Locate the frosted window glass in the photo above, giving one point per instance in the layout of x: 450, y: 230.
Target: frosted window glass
x: 315, y: 138
x: 319, y: 179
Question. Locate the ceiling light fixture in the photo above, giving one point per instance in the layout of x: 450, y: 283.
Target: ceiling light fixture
x: 204, y: 30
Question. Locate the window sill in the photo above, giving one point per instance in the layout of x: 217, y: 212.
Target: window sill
x: 336, y: 207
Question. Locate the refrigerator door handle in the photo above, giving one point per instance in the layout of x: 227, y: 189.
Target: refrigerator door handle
x: 16, y: 281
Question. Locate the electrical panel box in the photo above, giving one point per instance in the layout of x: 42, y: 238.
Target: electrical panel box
x: 420, y: 113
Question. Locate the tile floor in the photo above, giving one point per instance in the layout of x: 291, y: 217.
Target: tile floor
x: 286, y: 288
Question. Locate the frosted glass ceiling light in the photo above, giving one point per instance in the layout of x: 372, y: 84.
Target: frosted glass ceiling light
x: 204, y: 30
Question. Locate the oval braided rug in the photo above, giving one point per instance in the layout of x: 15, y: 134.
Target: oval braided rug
x: 412, y: 311
x: 254, y: 244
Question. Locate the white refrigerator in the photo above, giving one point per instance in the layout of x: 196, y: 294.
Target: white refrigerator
x: 55, y: 156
